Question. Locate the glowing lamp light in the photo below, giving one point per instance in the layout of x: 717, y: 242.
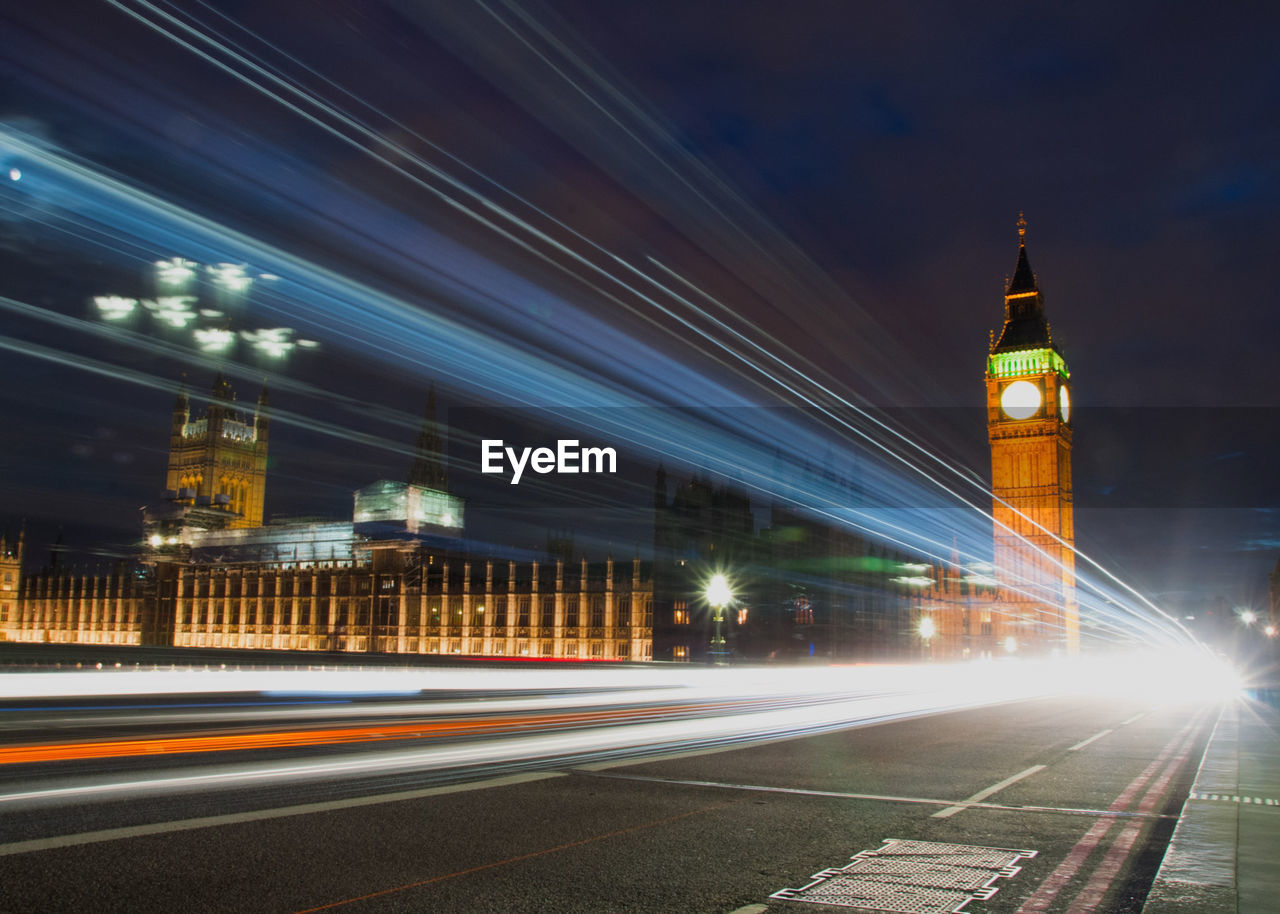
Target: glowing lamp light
x: 718, y: 592
x: 927, y: 628
x: 1248, y: 617
x: 1010, y: 644
x: 230, y: 276
x: 15, y: 174
x: 156, y: 540
x: 176, y: 271
x: 214, y: 340
x: 175, y: 310
x: 1270, y: 631
x: 272, y: 342
x: 114, y: 307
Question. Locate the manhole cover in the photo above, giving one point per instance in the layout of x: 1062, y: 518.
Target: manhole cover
x: 912, y: 877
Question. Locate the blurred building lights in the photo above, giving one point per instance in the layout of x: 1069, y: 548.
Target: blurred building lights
x: 273, y: 342
x: 1270, y: 630
x: 1010, y: 644
x: 214, y: 340
x: 114, y: 307
x: 927, y: 628
x: 176, y: 271
x: 230, y: 276
x: 174, y: 310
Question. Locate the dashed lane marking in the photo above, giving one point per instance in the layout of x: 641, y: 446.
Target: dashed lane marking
x: 1084, y: 742
x: 983, y: 794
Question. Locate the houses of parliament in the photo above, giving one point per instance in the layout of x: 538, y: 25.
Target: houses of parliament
x: 396, y: 577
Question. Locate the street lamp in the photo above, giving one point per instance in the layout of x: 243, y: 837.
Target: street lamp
x: 719, y: 595
x: 1248, y: 617
x: 927, y: 630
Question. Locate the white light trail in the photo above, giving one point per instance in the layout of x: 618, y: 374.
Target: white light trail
x: 820, y: 700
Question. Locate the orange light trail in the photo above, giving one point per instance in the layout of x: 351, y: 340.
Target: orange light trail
x: 176, y: 745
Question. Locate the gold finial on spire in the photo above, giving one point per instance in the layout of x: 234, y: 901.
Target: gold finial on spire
x: 1022, y: 229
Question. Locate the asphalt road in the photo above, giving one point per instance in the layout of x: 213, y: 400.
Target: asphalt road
x: 1091, y: 786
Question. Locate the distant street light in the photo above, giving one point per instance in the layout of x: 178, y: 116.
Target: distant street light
x: 1270, y: 630
x: 927, y: 630
x: 719, y: 595
x: 1248, y: 617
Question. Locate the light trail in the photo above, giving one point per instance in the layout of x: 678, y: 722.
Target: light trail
x: 709, y: 708
x: 382, y: 732
x: 580, y: 369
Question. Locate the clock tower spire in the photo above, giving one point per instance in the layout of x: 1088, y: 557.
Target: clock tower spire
x: 1029, y: 430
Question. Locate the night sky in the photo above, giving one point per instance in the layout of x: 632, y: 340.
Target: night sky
x: 844, y: 178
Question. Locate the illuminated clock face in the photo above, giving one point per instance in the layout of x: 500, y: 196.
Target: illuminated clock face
x: 1020, y: 400
x: 1064, y: 401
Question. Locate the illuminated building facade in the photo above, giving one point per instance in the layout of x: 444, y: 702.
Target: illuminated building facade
x: 1029, y: 430
x: 396, y: 597
x: 395, y: 578
x: 10, y: 575
x: 952, y: 620
x: 220, y: 458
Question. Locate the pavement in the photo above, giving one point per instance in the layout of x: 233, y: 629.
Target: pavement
x: 1223, y: 856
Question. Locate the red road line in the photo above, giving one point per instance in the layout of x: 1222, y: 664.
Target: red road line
x: 1048, y: 890
x: 1105, y: 875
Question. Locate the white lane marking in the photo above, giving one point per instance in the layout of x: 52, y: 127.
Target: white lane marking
x: 751, y: 909
x: 1132, y: 719
x: 159, y: 828
x: 585, y: 771
x: 983, y: 794
x: 1084, y: 742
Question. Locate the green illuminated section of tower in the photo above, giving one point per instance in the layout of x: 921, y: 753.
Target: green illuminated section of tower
x: 1026, y: 361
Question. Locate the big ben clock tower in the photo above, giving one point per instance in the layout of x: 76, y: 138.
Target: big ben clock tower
x: 1029, y: 428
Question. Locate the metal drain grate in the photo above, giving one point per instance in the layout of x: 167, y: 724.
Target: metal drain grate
x: 912, y: 877
x: 934, y: 875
